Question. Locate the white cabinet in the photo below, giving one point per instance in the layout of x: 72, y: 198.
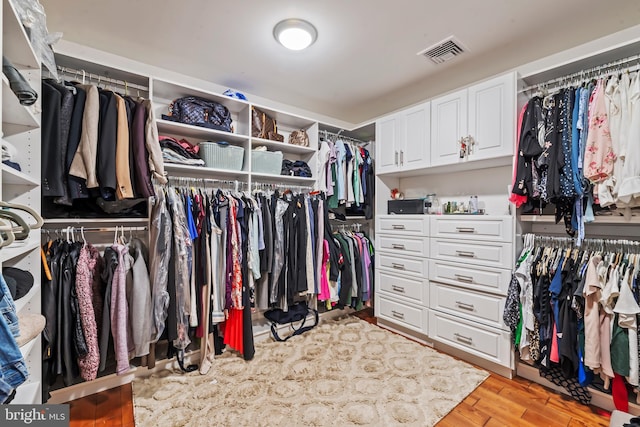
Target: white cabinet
x: 403, y: 139
x: 484, y: 114
x: 21, y: 128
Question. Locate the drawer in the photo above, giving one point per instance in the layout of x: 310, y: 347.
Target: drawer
x: 416, y: 225
x: 415, y: 289
x: 475, y: 306
x: 480, y: 228
x: 489, y: 254
x: 403, y: 265
x: 485, y: 279
x: 403, y: 245
x: 411, y: 317
x: 484, y: 342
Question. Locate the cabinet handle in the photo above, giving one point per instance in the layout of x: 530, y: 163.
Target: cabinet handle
x: 397, y: 314
x: 396, y: 162
x: 466, y: 279
x: 466, y: 340
x: 398, y: 226
x: 397, y: 246
x: 465, y: 229
x: 466, y: 306
x: 401, y: 157
x: 466, y: 254
x: 397, y: 266
x: 397, y: 288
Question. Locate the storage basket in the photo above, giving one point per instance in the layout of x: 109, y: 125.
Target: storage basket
x: 221, y: 155
x: 266, y: 161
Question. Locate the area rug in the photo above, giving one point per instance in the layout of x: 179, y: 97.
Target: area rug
x: 344, y: 372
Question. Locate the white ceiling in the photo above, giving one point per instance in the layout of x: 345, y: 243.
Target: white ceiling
x: 364, y: 62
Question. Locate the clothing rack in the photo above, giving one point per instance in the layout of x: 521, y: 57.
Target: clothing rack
x: 578, y: 77
x: 337, y: 136
x: 70, y: 72
x: 589, y: 244
x: 265, y: 186
x: 183, y: 181
x: 356, y: 226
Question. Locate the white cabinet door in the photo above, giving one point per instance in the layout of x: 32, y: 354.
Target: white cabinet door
x: 387, y: 141
x: 448, y: 125
x: 414, y: 153
x: 492, y: 117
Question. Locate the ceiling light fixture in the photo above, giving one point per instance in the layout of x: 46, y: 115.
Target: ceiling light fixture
x: 295, y: 34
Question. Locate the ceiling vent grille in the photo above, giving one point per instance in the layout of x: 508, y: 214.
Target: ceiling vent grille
x: 443, y: 51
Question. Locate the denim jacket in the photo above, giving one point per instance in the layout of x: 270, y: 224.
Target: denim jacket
x: 13, y: 370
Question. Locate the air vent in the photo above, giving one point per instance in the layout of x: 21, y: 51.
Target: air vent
x: 443, y: 51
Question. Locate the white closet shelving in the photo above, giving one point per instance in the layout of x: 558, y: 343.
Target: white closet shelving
x: 21, y: 128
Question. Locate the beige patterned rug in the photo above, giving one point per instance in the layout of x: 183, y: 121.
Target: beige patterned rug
x: 344, y: 372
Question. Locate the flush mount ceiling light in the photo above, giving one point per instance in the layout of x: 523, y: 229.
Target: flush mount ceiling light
x: 295, y: 34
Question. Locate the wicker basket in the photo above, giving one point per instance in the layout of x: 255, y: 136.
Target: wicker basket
x: 266, y: 162
x: 221, y: 155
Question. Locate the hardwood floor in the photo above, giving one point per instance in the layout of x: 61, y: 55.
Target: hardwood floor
x: 496, y: 402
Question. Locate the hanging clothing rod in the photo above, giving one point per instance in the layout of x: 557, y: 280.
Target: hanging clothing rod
x: 602, y: 244
x: 191, y: 181
x: 337, y: 136
x: 93, y: 229
x: 603, y: 70
x: 76, y: 74
x: 281, y: 186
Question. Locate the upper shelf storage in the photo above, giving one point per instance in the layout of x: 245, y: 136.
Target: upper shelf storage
x: 13, y: 113
x: 15, y: 42
x: 197, y: 133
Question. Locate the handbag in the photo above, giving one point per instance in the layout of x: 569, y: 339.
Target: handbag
x: 196, y: 111
x: 264, y: 126
x: 296, y: 313
x: 299, y: 137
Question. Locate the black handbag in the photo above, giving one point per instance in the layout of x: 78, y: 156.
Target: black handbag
x: 295, y: 313
x: 193, y: 110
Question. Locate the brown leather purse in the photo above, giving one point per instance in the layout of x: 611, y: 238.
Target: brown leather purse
x: 264, y: 126
x: 299, y: 137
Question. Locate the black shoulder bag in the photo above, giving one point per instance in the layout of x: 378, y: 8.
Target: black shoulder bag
x: 296, y: 313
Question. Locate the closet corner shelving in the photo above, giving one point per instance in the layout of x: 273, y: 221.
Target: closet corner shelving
x: 21, y: 128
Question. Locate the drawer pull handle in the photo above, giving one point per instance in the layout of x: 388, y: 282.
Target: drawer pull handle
x: 465, y: 229
x: 466, y: 340
x: 398, y: 226
x: 462, y: 278
x: 397, y: 288
x: 397, y: 246
x: 465, y: 306
x: 397, y: 266
x: 397, y: 314
x: 466, y: 254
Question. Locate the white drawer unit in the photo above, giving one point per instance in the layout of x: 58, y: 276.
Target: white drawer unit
x: 491, y: 254
x: 403, y: 265
x: 414, y: 289
x: 477, y: 228
x: 403, y: 245
x: 416, y: 225
x: 486, y: 279
x: 475, y: 306
x: 403, y: 314
x: 481, y: 341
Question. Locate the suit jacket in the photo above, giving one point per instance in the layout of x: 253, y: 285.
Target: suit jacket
x: 107, y: 140
x: 124, y: 190
x: 52, y: 170
x: 156, y: 164
x: 143, y: 184
x: 84, y: 161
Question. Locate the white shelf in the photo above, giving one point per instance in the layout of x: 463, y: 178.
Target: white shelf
x: 93, y: 221
x: 26, y: 348
x: 189, y: 131
x: 15, y: 44
x: 18, y: 248
x: 604, y: 219
x: 13, y: 112
x: 170, y: 91
x: 204, y: 172
x: 25, y: 300
x: 283, y: 178
x: 285, y: 147
x: 27, y: 393
x: 16, y: 177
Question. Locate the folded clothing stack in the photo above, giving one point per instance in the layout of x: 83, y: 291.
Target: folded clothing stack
x: 180, y: 152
